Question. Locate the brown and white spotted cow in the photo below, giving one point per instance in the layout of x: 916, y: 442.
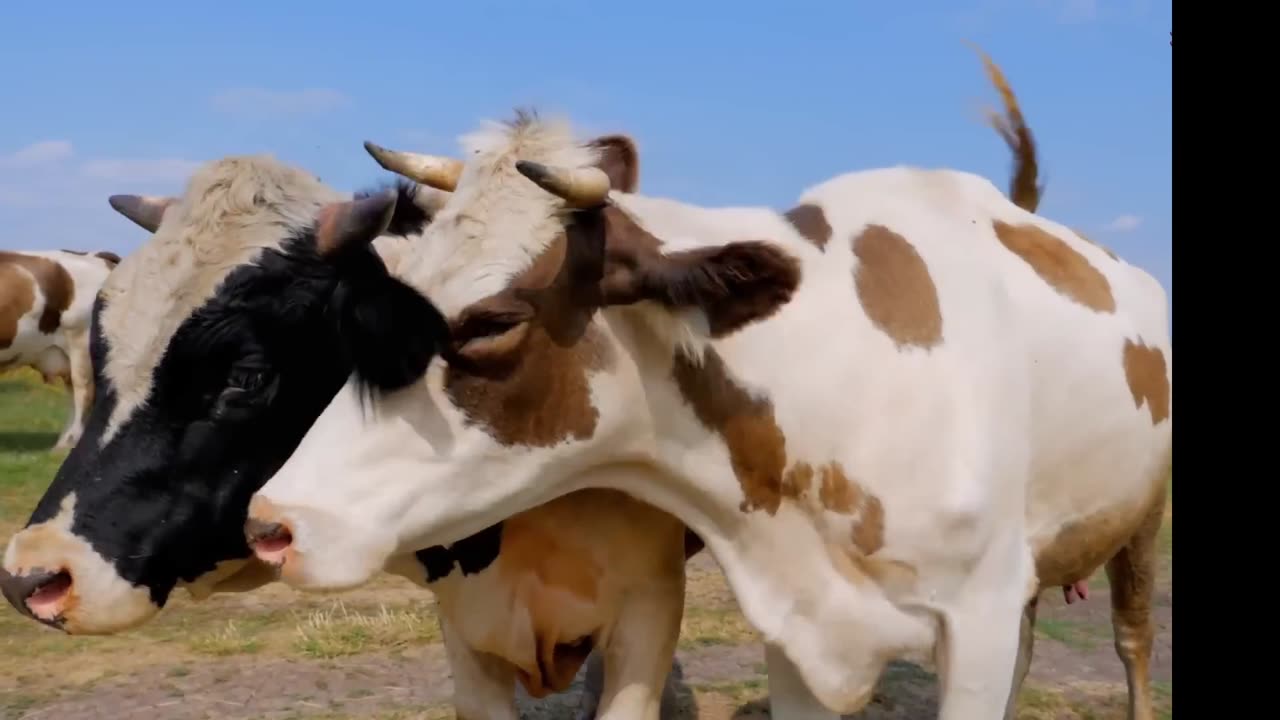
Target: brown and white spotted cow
x: 893, y: 414
x: 46, y: 298
x: 215, y: 345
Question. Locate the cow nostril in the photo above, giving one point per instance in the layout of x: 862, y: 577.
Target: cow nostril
x: 40, y: 594
x: 269, y: 540
x: 46, y: 599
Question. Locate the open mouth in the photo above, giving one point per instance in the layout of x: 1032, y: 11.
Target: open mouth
x: 40, y: 594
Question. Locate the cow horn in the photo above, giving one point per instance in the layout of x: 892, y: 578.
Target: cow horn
x: 581, y: 188
x: 354, y: 223
x: 145, y: 210
x: 440, y: 173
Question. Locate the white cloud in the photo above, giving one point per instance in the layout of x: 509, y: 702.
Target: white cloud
x: 139, y: 170
x: 260, y: 101
x: 50, y: 176
x: 45, y: 152
x: 1124, y: 223
x: 52, y: 196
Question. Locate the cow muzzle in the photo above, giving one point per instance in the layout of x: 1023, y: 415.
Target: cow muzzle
x: 39, y: 594
x: 312, y: 550
x: 57, y: 579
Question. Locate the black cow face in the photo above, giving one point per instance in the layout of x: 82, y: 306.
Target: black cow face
x: 161, y: 498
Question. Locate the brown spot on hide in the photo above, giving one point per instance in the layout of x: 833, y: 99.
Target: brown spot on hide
x: 839, y: 493
x: 811, y: 222
x: 757, y: 447
x: 797, y: 481
x: 734, y: 284
x: 524, y: 356
x: 868, y: 532
x: 1148, y: 378
x: 1064, y: 269
x: 895, y: 288
x: 17, y: 296
x: 1079, y: 547
x: 54, y: 282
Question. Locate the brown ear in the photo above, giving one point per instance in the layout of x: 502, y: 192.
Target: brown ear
x: 733, y: 284
x: 354, y: 223
x: 620, y: 160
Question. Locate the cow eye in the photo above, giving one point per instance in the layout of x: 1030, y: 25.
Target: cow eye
x: 247, y: 379
x: 248, y: 390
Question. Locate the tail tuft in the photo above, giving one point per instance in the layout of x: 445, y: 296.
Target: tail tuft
x: 1024, y: 189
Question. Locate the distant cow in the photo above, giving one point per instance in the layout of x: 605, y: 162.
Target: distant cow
x: 46, y: 299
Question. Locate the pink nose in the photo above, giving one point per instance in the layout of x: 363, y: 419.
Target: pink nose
x: 39, y: 594
x: 269, y: 540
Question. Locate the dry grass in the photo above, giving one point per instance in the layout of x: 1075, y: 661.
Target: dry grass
x: 230, y: 640
x: 339, y: 631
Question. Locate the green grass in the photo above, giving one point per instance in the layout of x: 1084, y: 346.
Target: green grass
x: 31, y: 416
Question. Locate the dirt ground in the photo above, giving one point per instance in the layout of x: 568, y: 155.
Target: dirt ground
x: 272, y: 654
x: 375, y: 652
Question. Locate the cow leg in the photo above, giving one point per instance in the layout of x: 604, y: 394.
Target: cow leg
x: 789, y: 696
x: 593, y: 687
x: 1026, y: 641
x: 1132, y: 574
x: 483, y: 686
x: 81, y: 381
x: 641, y: 650
x: 978, y: 646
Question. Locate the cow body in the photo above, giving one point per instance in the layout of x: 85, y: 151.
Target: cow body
x: 227, y: 299
x: 893, y: 413
x: 46, y: 298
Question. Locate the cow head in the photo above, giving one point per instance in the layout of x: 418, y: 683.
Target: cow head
x: 214, y: 347
x: 536, y: 391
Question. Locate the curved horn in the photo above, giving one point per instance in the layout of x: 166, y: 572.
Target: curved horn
x: 438, y: 172
x: 353, y: 223
x: 145, y: 210
x: 581, y: 188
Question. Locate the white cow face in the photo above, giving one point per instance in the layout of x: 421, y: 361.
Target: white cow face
x: 534, y: 389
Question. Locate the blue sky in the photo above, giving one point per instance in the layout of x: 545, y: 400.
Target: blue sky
x: 731, y: 102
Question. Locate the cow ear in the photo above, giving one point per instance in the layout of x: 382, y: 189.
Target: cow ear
x: 390, y: 330
x: 354, y: 223
x: 732, y: 284
x: 620, y: 160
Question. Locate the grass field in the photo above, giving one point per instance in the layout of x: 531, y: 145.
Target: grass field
x: 375, y: 652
